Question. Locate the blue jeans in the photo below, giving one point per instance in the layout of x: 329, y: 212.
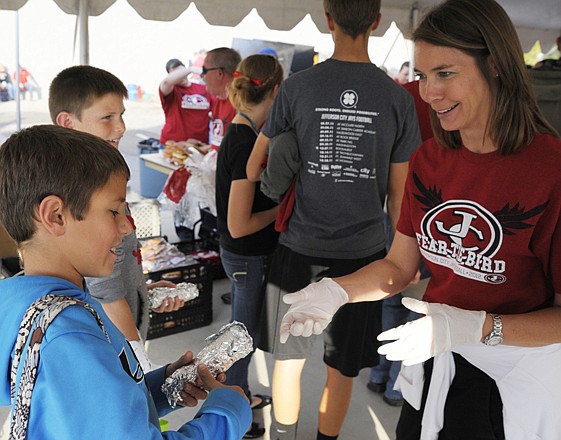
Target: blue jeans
x: 393, y: 314
x: 248, y: 275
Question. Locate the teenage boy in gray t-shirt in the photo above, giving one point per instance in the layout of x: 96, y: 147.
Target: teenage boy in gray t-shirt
x: 355, y: 129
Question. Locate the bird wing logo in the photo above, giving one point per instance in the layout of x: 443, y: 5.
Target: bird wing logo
x: 465, y: 236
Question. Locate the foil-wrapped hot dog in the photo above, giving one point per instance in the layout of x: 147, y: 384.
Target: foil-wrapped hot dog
x: 230, y: 344
x: 184, y: 291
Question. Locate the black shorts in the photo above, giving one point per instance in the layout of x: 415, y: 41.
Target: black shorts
x: 473, y: 409
x: 350, y: 340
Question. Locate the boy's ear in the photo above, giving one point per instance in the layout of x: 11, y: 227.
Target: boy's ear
x: 52, y: 216
x: 330, y: 22
x: 65, y: 119
x: 376, y: 23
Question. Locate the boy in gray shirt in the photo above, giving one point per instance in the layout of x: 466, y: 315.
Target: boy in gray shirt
x: 355, y: 129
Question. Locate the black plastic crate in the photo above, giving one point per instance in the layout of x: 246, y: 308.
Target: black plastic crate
x: 191, y: 273
x: 197, y: 250
x: 179, y: 321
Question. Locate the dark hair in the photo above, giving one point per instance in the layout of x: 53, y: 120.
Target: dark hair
x: 224, y: 57
x: 172, y: 64
x: 405, y: 64
x: 258, y: 75
x: 75, y: 88
x: 355, y: 17
x: 50, y: 160
x: 483, y: 30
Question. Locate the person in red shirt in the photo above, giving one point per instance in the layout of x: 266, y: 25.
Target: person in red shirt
x: 217, y: 73
x: 482, y: 209
x: 403, y: 74
x: 28, y: 84
x: 186, y: 105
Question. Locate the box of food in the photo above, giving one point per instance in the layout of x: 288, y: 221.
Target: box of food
x: 164, y: 261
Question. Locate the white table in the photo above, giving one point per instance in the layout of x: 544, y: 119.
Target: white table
x: 159, y: 163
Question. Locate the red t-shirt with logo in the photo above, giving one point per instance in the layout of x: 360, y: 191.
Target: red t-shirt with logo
x: 187, y: 114
x: 488, y: 226
x: 222, y: 113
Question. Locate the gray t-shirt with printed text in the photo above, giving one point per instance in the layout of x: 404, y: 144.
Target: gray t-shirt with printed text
x: 351, y: 122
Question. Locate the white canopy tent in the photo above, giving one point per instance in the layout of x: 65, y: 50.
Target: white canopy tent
x: 538, y: 19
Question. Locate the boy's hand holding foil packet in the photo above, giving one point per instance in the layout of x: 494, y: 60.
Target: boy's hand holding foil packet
x: 230, y: 344
x: 183, y: 291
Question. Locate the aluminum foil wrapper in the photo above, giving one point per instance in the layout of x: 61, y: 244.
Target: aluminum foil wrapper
x: 184, y: 291
x: 230, y: 344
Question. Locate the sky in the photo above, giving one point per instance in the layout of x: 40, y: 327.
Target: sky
x: 136, y: 50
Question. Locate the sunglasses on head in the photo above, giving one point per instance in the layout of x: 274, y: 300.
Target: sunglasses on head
x: 205, y: 69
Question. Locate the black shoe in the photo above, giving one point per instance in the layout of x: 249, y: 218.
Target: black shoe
x: 265, y: 401
x: 392, y: 402
x: 226, y: 298
x: 376, y: 387
x: 255, y: 431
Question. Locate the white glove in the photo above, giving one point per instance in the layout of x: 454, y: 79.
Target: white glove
x: 312, y: 308
x: 442, y: 328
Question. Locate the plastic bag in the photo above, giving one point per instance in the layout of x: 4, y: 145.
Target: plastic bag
x: 200, y: 193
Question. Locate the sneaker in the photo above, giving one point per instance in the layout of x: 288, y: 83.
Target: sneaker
x: 255, y: 431
x: 376, y: 387
x: 393, y: 401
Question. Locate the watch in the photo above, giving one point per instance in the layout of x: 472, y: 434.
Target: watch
x: 496, y: 335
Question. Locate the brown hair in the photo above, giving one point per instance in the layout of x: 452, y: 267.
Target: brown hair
x: 483, y: 30
x: 257, y: 75
x: 75, y: 88
x: 47, y: 159
x: 355, y: 17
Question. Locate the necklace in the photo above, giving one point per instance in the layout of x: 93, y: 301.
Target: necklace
x: 253, y: 125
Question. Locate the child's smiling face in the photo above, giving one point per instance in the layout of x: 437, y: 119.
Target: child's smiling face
x: 104, y: 118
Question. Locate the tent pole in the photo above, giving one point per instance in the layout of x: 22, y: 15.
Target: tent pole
x: 16, y: 85
x: 391, y: 48
x: 414, y: 19
x: 84, y: 32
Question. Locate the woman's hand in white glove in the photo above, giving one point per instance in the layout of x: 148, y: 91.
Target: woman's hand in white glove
x: 442, y: 328
x: 312, y: 308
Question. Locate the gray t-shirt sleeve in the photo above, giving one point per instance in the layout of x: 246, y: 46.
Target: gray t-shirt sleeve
x: 280, y: 117
x: 111, y: 288
x: 408, y: 136
x: 282, y: 165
